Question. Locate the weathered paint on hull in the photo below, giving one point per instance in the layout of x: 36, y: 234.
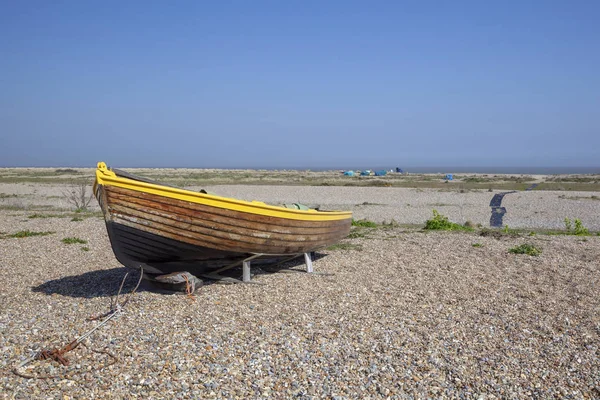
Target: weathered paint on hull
x: 166, y: 235
x: 159, y: 255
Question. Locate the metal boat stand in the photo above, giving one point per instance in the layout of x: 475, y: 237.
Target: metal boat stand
x: 307, y: 262
x: 246, y: 265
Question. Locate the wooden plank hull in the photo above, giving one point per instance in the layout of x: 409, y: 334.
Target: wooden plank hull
x: 165, y: 234
x: 160, y: 255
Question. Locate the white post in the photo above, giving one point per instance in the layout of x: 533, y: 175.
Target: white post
x: 246, y: 271
x: 308, y: 262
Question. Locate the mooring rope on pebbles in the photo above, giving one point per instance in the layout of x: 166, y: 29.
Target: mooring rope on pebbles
x: 116, y: 310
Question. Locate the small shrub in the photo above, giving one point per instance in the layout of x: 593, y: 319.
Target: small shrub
x: 579, y: 229
x: 364, y: 223
x: 76, y: 219
x: 508, y: 231
x: 440, y: 222
x: 28, y: 233
x: 73, y: 240
x: 526, y: 248
x: 477, y: 245
x: 79, y: 197
x: 85, y: 248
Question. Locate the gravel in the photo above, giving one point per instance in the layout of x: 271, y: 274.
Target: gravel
x: 404, y: 314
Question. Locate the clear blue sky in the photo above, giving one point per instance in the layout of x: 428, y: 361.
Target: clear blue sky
x: 300, y: 83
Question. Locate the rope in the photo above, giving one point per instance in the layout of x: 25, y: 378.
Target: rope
x: 190, y: 288
x: 68, y: 373
x: 116, y: 309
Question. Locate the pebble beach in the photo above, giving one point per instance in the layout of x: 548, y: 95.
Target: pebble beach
x: 400, y: 313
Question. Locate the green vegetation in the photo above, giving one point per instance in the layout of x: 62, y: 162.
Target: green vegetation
x: 77, y: 216
x: 508, y: 231
x: 345, y: 246
x: 505, y: 231
x: 364, y: 223
x: 593, y: 197
x: 82, y: 214
x: 28, y: 233
x: 525, y: 248
x: 477, y: 245
x: 85, y: 248
x: 357, y: 234
x: 578, y: 179
x: 362, y: 228
x: 199, y: 177
x: 36, y: 215
x: 579, y: 229
x: 21, y: 206
x: 440, y: 222
x: 73, y: 240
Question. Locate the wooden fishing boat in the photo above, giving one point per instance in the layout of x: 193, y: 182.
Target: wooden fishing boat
x: 166, y: 229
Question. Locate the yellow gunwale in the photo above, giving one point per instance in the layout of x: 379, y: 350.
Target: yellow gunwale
x: 106, y: 177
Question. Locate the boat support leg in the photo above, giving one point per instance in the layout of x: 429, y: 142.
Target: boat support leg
x: 246, y: 278
x: 308, y: 257
x: 247, y: 265
x: 308, y: 262
x: 246, y: 271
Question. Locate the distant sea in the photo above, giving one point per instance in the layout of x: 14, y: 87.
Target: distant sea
x: 415, y: 170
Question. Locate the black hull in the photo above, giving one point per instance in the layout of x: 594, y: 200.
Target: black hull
x: 135, y: 248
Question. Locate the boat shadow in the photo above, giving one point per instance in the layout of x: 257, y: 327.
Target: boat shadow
x: 101, y: 283
x: 106, y: 282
